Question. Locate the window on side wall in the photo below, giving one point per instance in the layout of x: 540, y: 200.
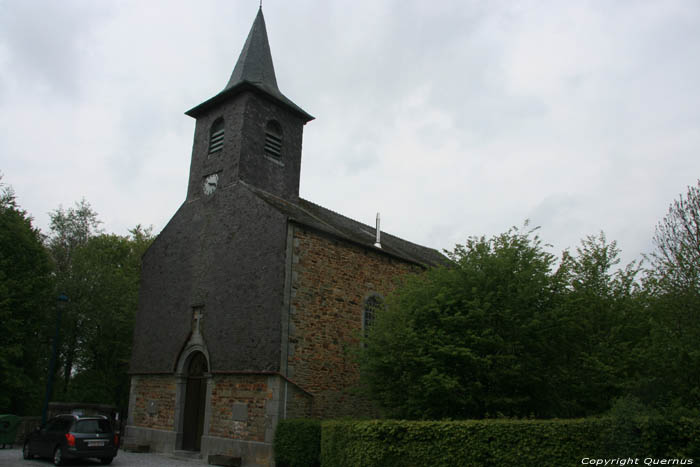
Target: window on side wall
x: 373, y: 304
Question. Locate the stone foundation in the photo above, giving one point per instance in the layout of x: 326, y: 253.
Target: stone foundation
x: 242, y: 412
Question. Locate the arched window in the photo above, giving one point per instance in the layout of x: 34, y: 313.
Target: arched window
x: 216, y: 136
x: 373, y: 304
x: 273, y: 139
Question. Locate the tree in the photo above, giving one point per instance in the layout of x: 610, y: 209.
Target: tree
x: 599, y: 327
x: 70, y: 230
x: 25, y: 298
x: 100, y: 273
x: 109, y: 267
x: 676, y: 259
x: 502, y: 332
x: 467, y: 340
x: 672, y: 377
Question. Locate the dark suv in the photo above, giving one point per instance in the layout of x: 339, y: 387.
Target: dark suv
x: 71, y: 437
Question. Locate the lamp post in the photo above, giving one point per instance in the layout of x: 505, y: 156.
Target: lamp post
x: 61, y: 303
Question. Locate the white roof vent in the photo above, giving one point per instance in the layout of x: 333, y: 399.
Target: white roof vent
x: 377, y: 241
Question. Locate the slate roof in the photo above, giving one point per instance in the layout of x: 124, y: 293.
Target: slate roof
x: 254, y: 70
x: 319, y: 218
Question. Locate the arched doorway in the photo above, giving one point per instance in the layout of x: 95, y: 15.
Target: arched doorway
x: 195, y: 402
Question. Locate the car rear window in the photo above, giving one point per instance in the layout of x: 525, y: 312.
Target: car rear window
x: 59, y: 424
x: 92, y: 426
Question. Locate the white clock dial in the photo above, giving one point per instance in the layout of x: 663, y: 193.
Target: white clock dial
x: 210, y: 183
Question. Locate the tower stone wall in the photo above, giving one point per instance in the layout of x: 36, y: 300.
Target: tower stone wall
x: 226, y: 161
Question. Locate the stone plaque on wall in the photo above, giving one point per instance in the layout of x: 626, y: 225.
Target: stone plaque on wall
x: 152, y: 408
x: 240, y: 412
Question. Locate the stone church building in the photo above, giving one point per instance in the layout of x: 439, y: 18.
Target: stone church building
x: 251, y: 297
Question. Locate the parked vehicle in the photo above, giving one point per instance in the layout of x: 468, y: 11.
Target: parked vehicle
x: 71, y: 437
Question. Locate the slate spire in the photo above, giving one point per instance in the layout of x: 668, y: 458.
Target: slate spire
x: 253, y: 71
x: 254, y: 65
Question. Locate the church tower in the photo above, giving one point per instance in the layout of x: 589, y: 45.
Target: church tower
x: 213, y: 300
x: 250, y: 296
x: 250, y: 131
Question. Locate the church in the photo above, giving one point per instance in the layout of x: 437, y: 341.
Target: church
x: 252, y: 298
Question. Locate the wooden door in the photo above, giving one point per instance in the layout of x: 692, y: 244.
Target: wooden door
x: 195, y: 401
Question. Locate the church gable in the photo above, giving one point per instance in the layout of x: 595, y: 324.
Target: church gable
x: 223, y: 256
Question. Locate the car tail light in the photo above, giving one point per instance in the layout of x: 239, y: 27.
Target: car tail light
x: 71, y: 439
x: 116, y: 440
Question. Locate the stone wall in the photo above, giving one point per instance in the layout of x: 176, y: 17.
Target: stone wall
x: 152, y: 402
x: 238, y: 406
x: 331, y: 279
x: 299, y: 404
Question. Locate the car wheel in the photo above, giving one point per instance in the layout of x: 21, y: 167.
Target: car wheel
x: 58, y: 456
x: 106, y: 460
x: 26, y: 453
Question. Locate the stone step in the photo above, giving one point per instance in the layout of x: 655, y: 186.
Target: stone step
x: 132, y: 447
x: 225, y: 461
x: 181, y: 454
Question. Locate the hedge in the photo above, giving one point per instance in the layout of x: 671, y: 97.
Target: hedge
x: 487, y: 443
x: 298, y: 443
x: 391, y: 443
x: 503, y: 442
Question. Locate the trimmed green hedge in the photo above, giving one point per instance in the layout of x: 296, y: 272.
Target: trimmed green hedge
x: 487, y: 443
x: 298, y: 443
x: 392, y: 443
x: 503, y: 442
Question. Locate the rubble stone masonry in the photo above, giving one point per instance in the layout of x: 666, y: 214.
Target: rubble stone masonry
x: 251, y: 392
x: 331, y: 279
x: 154, y: 401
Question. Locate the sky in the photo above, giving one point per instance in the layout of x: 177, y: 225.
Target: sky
x: 452, y: 118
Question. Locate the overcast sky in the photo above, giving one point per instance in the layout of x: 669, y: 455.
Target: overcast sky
x: 451, y: 118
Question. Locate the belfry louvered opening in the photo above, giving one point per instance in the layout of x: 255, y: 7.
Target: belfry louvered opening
x: 216, y: 136
x: 273, y: 139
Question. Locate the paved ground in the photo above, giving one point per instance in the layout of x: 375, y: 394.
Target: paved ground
x: 13, y: 458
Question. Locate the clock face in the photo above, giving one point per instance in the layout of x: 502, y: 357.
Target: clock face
x: 210, y: 182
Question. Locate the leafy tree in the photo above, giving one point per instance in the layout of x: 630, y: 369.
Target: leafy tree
x: 25, y: 299
x: 100, y: 274
x: 109, y: 267
x: 672, y: 377
x: 599, y: 320
x: 71, y: 229
x: 467, y: 340
x: 676, y: 259
x: 502, y: 332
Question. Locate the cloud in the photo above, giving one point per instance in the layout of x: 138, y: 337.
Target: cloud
x: 452, y: 118
x: 46, y: 43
